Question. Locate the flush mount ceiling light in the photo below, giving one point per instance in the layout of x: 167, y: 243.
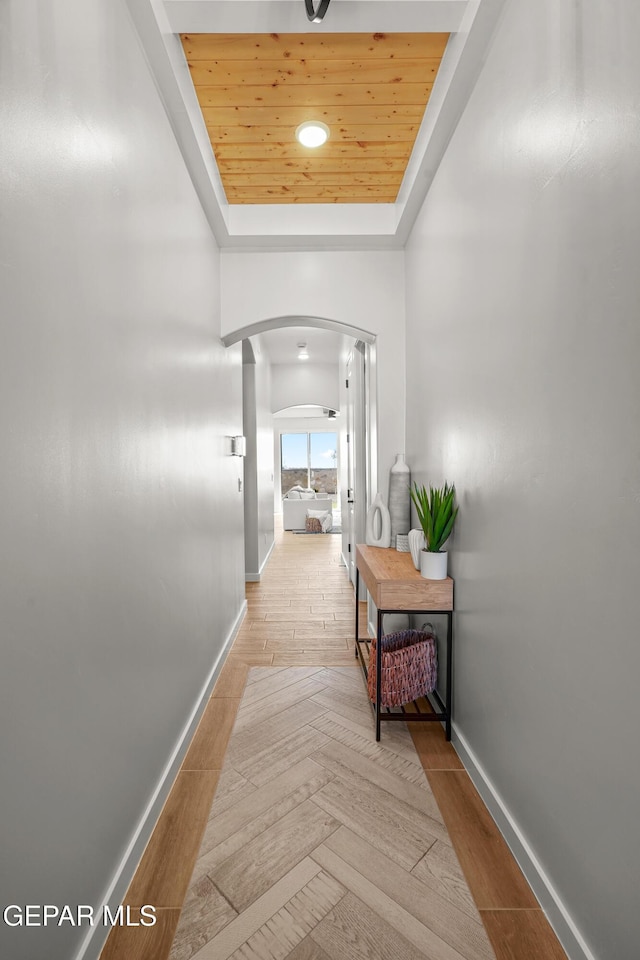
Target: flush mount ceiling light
x: 312, y: 133
x: 316, y: 15
x: 303, y: 353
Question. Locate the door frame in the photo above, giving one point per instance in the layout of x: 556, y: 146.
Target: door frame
x: 362, y: 449
x: 368, y: 394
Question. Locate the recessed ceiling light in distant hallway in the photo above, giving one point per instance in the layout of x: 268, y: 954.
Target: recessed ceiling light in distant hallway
x: 312, y: 133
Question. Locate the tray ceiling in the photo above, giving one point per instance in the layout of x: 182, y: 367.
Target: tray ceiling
x: 371, y: 89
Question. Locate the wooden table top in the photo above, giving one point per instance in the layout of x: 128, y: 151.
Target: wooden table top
x: 394, y: 583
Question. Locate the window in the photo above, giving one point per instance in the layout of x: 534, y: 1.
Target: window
x: 310, y: 460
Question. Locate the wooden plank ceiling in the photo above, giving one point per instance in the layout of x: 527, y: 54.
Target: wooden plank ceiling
x: 370, y: 89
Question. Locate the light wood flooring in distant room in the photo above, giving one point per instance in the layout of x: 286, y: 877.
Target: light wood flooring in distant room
x: 290, y: 834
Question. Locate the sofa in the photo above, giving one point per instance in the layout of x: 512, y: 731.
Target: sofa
x: 294, y: 508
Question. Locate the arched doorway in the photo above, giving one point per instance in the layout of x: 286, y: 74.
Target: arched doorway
x: 276, y: 323
x: 357, y: 428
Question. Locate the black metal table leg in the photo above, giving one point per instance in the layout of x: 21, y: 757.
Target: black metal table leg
x: 357, y: 608
x: 378, y: 672
x: 449, y: 669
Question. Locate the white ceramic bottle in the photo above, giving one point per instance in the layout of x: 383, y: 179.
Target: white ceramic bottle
x: 378, y: 525
x: 417, y: 544
x: 399, y: 498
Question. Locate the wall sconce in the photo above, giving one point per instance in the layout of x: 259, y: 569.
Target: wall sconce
x: 238, y: 446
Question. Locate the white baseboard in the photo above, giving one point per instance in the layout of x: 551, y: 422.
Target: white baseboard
x: 94, y: 941
x: 266, y: 559
x: 255, y: 577
x: 557, y: 914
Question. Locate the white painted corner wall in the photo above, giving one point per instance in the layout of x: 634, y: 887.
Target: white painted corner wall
x: 122, y: 560
x: 522, y: 388
x: 304, y: 383
x: 363, y: 289
x: 258, y: 462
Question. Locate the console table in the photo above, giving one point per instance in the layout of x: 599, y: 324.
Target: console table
x: 395, y: 586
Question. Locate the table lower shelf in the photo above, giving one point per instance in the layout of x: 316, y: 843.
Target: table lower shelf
x: 416, y: 711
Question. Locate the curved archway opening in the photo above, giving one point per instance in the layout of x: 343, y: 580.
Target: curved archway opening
x: 349, y: 391
x: 277, y: 323
x: 313, y: 407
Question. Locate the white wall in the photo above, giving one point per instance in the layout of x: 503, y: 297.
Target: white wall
x: 258, y: 463
x: 522, y: 370
x: 364, y: 289
x: 293, y: 384
x: 121, y: 521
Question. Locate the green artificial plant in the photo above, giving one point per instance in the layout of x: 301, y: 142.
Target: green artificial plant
x: 436, y: 513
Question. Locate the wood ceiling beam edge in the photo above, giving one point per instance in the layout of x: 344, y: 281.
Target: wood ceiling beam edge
x: 347, y: 150
x: 245, y: 73
x: 322, y: 179
x: 315, y: 190
x: 330, y: 198
x: 366, y: 164
x: 297, y: 46
x: 250, y: 116
x: 384, y: 133
x: 355, y: 94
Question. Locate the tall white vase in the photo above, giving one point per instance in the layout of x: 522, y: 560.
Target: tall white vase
x: 378, y: 526
x: 399, y: 498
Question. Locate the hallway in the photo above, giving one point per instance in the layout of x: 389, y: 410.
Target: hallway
x: 500, y: 292
x: 321, y: 844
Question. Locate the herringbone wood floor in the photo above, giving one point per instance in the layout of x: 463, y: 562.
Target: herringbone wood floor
x: 321, y: 844
x: 322, y: 841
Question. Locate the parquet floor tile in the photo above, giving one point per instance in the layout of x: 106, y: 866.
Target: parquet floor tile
x: 320, y: 843
x: 325, y: 792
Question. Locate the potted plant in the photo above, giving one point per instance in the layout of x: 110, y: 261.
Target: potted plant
x: 437, y: 514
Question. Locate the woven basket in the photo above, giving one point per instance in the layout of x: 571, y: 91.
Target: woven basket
x: 313, y: 525
x: 409, y: 667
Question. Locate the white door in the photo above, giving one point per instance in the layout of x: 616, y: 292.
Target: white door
x: 354, y: 497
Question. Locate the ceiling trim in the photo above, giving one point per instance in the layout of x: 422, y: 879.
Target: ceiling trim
x: 289, y: 16
x: 276, y: 323
x: 314, y: 226
x: 165, y: 56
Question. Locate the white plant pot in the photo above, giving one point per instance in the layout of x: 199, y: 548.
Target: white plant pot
x: 416, y: 546
x: 433, y: 566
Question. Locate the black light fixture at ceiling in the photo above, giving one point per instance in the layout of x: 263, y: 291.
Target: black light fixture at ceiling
x: 316, y: 16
